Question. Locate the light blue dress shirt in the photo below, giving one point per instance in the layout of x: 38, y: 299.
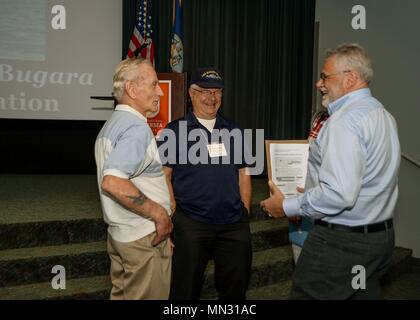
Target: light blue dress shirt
x: 353, y: 165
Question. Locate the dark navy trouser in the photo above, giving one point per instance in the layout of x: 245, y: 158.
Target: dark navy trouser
x: 229, y: 245
x: 329, y: 262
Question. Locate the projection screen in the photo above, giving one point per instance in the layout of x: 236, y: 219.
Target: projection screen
x: 55, y: 55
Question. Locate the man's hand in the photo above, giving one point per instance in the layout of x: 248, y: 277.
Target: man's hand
x: 273, y: 206
x: 245, y: 188
x: 168, y: 176
x: 163, y: 225
x: 173, y: 206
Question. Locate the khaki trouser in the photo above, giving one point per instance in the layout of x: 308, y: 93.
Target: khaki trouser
x: 138, y: 270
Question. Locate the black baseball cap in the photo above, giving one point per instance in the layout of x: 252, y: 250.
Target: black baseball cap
x: 207, y: 78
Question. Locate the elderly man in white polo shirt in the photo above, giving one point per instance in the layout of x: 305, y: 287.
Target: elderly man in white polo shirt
x: 133, y: 190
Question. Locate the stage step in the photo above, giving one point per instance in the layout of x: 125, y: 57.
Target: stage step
x: 79, y: 289
x: 406, y: 286
x: 269, y: 266
x: 66, y: 231
x: 49, y: 233
x: 49, y: 220
x: 400, y: 263
x: 277, y: 291
x: 268, y: 281
x: 31, y: 265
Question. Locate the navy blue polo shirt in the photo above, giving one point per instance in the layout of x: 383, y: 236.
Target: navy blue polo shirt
x: 205, y: 191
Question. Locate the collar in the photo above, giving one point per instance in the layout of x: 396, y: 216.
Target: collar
x: 193, y: 122
x: 348, y: 98
x: 127, y: 108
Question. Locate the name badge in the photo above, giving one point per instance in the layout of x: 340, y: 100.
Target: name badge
x: 216, y: 150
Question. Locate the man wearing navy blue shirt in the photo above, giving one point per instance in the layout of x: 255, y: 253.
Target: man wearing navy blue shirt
x: 351, y: 190
x: 211, y: 192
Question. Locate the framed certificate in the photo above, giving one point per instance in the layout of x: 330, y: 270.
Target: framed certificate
x: 287, y: 163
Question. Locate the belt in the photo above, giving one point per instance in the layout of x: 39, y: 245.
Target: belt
x: 375, y: 227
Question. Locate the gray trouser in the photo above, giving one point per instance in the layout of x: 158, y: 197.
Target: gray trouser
x: 329, y: 264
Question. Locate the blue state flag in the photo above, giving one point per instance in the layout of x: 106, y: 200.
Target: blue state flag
x: 177, y: 47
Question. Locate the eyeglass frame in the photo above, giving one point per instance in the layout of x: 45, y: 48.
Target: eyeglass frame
x: 323, y: 76
x: 207, y: 93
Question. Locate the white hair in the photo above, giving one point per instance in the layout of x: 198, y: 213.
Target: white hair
x: 126, y: 70
x: 352, y: 56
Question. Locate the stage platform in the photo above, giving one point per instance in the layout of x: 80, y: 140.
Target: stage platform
x: 48, y: 220
x: 37, y: 198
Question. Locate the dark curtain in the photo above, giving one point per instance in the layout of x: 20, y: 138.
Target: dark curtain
x: 48, y: 146
x: 264, y: 49
x: 130, y: 8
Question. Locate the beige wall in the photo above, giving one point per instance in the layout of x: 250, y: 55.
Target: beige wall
x: 393, y: 42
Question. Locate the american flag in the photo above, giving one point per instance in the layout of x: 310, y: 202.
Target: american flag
x: 142, y: 35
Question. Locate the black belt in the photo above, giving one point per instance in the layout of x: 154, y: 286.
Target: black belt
x: 375, y: 227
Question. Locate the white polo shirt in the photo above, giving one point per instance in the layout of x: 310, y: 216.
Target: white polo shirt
x: 126, y: 148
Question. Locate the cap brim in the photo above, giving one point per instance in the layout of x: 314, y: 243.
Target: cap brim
x: 209, y: 85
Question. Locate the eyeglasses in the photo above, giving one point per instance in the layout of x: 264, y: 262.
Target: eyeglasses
x: 209, y: 93
x: 324, y: 76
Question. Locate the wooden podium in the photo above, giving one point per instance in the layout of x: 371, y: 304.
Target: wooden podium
x: 172, y: 104
x: 178, y: 93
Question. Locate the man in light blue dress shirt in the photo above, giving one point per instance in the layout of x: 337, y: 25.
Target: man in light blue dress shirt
x: 351, y: 190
